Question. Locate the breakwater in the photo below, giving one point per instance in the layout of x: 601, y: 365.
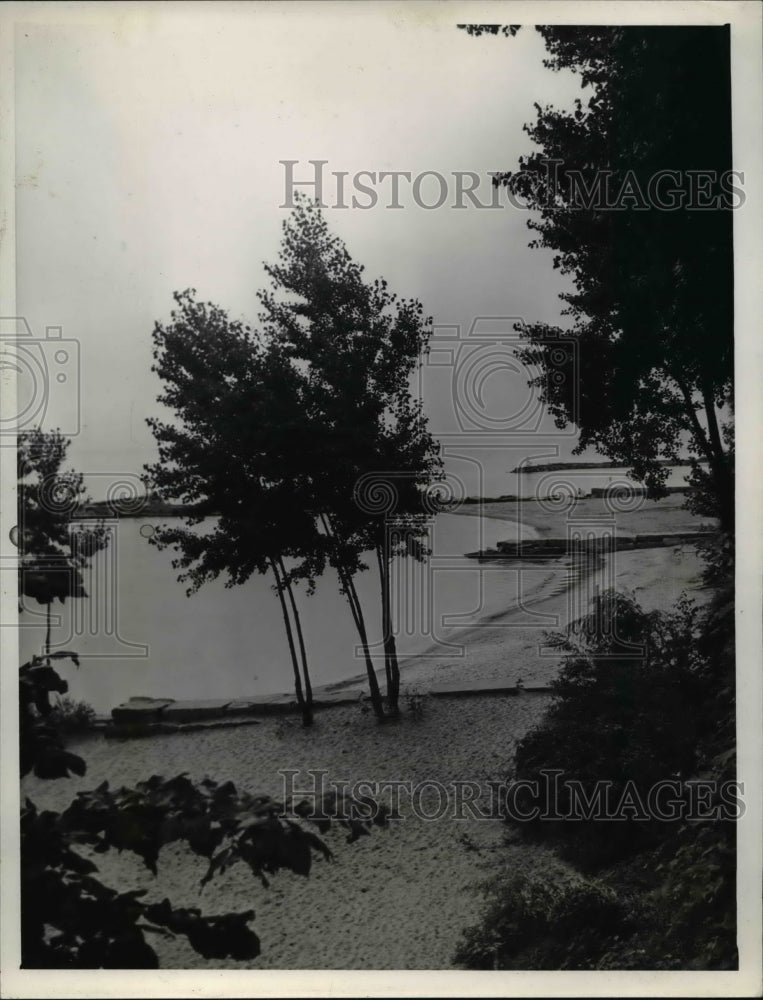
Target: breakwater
x: 576, y: 544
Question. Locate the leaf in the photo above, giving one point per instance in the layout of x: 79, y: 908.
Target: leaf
x: 225, y: 936
x: 294, y: 852
x: 56, y: 763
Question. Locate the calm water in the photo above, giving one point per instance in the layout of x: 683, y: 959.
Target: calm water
x: 139, y: 634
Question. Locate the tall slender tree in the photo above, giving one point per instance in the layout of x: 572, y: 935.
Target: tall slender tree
x: 358, y: 346
x: 229, y: 454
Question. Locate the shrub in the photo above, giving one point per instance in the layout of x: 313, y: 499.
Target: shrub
x: 70, y: 716
x: 698, y: 896
x: 630, y: 710
x: 535, y: 923
x: 665, y: 894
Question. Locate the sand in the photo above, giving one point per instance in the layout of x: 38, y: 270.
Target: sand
x: 551, y: 518
x: 400, y: 898
x: 397, y: 899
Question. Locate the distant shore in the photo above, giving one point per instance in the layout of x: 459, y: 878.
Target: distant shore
x: 559, y: 466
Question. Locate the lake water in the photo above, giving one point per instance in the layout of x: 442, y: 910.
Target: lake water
x: 139, y: 634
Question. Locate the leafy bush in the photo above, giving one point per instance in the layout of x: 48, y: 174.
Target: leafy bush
x: 698, y: 897
x: 70, y: 919
x: 70, y: 716
x: 534, y: 923
x: 94, y: 924
x: 630, y: 710
x: 665, y: 893
x: 41, y: 746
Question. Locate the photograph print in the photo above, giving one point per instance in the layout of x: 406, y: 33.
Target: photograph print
x: 370, y: 569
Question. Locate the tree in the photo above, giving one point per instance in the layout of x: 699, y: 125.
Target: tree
x: 230, y: 456
x: 357, y: 345
x: 634, y: 194
x: 71, y: 919
x: 51, y: 554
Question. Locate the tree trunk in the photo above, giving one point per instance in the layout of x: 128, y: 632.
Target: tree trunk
x: 376, y: 698
x: 345, y: 578
x: 47, y: 631
x: 712, y: 448
x: 384, y: 617
x: 391, y: 667
x: 289, y: 635
x: 722, y: 472
x: 307, y: 715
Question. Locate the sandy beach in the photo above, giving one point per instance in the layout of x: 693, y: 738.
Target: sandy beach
x: 401, y: 897
x: 513, y: 645
x: 397, y: 899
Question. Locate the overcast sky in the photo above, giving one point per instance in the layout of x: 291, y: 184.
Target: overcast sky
x: 148, y: 151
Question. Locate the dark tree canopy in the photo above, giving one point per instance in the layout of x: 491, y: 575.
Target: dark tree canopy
x: 53, y: 550
x: 357, y: 345
x: 234, y: 454
x: 234, y: 448
x: 279, y: 435
x: 634, y: 195
x: 476, y: 30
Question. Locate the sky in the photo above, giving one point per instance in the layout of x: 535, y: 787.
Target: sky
x: 147, y: 158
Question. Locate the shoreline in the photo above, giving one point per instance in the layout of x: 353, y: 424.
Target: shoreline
x: 634, y: 516
x: 402, y: 897
x: 508, y: 645
x: 503, y: 639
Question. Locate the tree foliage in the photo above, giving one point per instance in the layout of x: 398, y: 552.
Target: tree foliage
x: 51, y: 554
x: 358, y: 346
x: 477, y: 30
x: 232, y: 455
x: 284, y: 438
x: 650, y: 316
